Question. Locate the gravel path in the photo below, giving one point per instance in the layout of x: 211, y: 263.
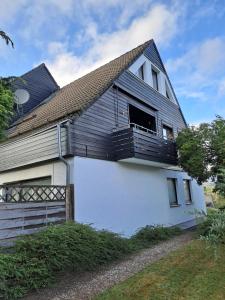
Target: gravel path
x: 87, y: 285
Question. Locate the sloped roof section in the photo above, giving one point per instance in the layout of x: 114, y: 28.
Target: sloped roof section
x: 77, y: 95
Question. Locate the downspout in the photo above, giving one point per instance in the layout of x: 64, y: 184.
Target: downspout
x: 60, y: 154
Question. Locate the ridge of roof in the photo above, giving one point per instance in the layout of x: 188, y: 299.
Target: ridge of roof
x: 79, y: 94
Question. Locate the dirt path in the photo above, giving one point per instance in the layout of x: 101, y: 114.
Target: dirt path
x: 87, y: 285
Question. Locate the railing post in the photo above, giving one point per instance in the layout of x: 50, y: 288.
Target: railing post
x: 69, y: 202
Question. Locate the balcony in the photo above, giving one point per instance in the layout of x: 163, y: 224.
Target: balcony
x: 141, y: 145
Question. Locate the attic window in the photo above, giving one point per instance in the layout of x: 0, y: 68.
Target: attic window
x: 155, y: 79
x: 140, y: 72
x: 168, y: 91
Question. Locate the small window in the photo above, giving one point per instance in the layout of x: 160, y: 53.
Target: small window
x: 168, y: 133
x: 168, y: 92
x: 140, y: 72
x: 172, y: 190
x: 155, y: 79
x: 187, y: 191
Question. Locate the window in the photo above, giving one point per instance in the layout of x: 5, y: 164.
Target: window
x: 168, y: 133
x: 141, y: 118
x: 187, y: 191
x: 172, y: 190
x: 140, y: 72
x: 155, y: 79
x: 168, y: 91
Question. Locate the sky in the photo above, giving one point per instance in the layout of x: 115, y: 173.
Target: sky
x: 74, y: 37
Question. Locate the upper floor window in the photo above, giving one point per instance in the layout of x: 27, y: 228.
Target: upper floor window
x: 168, y: 133
x: 187, y: 191
x: 155, y: 79
x: 168, y: 91
x: 140, y: 72
x: 172, y: 190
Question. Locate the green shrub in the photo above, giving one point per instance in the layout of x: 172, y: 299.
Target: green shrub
x: 214, y: 231
x: 149, y: 235
x: 206, y: 222
x: 70, y: 246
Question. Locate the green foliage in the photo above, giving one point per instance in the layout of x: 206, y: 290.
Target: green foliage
x: 70, y: 246
x: 6, y: 105
x: 213, y: 229
x: 6, y: 38
x: 202, y: 152
x: 150, y: 235
x: 220, y: 183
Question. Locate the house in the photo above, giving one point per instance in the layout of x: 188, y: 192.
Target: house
x: 111, y: 134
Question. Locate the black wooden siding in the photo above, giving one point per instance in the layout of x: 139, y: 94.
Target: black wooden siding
x: 168, y: 112
x: 92, y: 132
x: 152, y: 54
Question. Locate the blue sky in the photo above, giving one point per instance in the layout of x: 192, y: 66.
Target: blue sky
x: 73, y: 37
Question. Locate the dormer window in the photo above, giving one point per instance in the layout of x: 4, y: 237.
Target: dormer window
x: 155, y: 79
x: 140, y: 72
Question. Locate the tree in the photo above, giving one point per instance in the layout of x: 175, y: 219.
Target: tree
x: 7, y: 39
x: 202, y: 152
x: 6, y: 95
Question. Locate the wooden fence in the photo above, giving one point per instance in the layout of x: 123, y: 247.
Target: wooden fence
x: 28, y: 209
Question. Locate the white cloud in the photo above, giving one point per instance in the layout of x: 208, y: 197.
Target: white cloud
x: 160, y: 23
x: 199, y: 69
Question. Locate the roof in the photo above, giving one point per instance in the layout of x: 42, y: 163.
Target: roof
x: 79, y: 94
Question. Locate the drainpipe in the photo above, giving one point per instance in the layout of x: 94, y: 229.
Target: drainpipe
x: 60, y: 154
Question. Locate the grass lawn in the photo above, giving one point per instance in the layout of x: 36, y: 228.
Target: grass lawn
x: 190, y: 273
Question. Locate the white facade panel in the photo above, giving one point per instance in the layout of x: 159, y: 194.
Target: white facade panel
x: 57, y: 171
x: 123, y: 197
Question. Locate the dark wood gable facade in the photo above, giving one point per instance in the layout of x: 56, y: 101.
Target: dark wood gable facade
x: 107, y: 130
x: 129, y: 120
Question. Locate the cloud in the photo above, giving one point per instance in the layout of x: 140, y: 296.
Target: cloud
x: 160, y: 23
x: 198, y: 71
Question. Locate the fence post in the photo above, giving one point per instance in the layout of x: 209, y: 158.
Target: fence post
x: 69, y: 202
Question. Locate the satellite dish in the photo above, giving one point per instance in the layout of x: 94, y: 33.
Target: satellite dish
x: 21, y: 96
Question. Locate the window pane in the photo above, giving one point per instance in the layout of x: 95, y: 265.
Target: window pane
x: 167, y: 133
x: 155, y: 80
x: 171, y: 182
x: 140, y: 72
x: 187, y: 191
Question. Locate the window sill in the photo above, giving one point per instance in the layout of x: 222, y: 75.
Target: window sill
x: 175, y: 205
x: 189, y: 203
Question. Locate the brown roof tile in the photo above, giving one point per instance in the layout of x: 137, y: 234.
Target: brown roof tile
x: 78, y: 94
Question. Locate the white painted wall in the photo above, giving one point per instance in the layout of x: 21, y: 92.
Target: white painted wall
x: 57, y: 171
x: 123, y: 197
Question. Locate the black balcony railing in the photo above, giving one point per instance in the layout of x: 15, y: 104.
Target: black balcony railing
x: 143, y: 144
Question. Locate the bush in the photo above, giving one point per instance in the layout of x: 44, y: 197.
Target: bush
x: 70, y: 246
x: 213, y: 229
x: 149, y: 235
